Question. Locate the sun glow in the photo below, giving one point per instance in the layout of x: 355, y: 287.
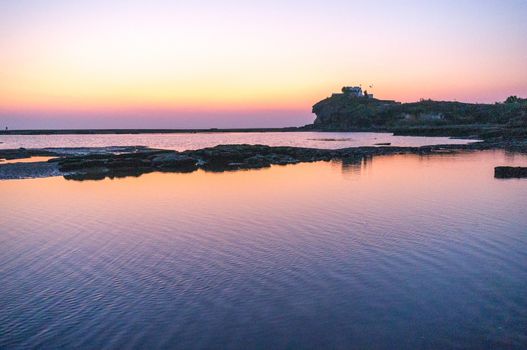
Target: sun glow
x: 103, y: 57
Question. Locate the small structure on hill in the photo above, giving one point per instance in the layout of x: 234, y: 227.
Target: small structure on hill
x: 353, y: 91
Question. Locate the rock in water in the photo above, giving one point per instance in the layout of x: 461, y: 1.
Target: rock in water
x: 508, y: 172
x: 174, y: 161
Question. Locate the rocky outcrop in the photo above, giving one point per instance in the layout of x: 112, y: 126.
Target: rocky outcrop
x: 342, y: 112
x: 508, y: 172
x: 21, y: 153
x: 114, y: 162
x: 100, y: 166
x: 219, y: 158
x: 215, y: 159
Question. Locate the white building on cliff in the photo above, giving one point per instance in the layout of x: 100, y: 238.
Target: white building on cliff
x: 354, y: 91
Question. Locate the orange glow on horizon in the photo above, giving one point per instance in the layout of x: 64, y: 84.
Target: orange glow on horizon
x: 102, y: 57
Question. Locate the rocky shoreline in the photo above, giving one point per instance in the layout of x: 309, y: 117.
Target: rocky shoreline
x: 115, y: 162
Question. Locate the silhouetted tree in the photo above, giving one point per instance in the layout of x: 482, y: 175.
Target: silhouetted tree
x: 511, y: 99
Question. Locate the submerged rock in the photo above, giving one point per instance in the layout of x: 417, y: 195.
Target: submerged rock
x: 174, y: 161
x: 28, y: 170
x: 508, y: 172
x: 22, y: 153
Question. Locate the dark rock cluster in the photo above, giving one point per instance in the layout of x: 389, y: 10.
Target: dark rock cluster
x: 219, y: 158
x: 99, y: 166
x: 21, y: 153
x: 509, y: 172
x: 215, y: 159
x: 112, y: 162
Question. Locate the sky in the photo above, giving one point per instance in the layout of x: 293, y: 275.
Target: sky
x: 242, y: 63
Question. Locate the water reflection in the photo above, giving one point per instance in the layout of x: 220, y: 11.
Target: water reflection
x: 353, y: 166
x: 416, y: 252
x: 185, y: 141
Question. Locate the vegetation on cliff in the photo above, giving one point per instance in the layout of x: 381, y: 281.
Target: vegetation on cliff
x: 341, y: 112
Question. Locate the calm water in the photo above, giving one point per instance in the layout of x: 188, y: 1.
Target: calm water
x: 397, y: 252
x: 181, y: 142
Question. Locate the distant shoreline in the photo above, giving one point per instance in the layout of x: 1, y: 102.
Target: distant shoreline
x: 456, y: 131
x: 142, y: 131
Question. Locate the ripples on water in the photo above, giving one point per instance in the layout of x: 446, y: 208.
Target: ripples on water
x: 181, y: 142
x: 397, y: 252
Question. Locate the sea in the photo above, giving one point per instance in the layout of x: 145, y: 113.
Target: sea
x: 389, y: 252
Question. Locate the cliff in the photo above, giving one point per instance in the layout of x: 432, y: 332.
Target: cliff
x: 341, y: 112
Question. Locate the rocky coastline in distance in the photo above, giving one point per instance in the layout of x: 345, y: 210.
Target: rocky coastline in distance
x: 353, y: 110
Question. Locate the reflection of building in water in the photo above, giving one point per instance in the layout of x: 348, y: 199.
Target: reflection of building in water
x: 510, y: 156
x: 355, y: 165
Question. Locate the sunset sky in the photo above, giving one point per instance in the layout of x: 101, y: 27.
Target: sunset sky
x: 234, y: 63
